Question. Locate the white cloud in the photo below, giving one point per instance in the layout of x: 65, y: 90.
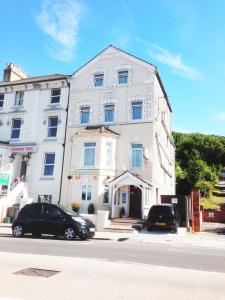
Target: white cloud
x: 174, y: 61
x: 60, y: 21
x: 165, y: 57
x: 219, y: 116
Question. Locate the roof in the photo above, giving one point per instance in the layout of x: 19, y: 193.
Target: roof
x: 96, y: 130
x: 135, y: 175
x: 37, y: 79
x: 145, y: 61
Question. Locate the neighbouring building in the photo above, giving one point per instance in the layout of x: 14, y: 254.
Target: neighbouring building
x: 33, y: 113
x: 119, y: 148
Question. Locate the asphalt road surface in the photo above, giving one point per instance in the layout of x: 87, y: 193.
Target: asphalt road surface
x: 192, y: 258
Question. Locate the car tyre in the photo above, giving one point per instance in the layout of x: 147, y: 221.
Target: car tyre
x: 149, y: 228
x: 18, y: 231
x: 69, y: 233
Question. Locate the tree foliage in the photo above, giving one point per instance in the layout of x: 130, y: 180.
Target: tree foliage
x: 199, y: 159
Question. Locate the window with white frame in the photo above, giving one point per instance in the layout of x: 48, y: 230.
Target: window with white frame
x: 89, y: 154
x: 109, y: 155
x: 55, y: 95
x: 136, y: 110
x: 49, y: 162
x: 137, y: 156
x: 98, y: 79
x: 19, y: 99
x: 123, y: 77
x: 109, y: 112
x: 1, y: 100
x: 106, y: 195
x: 86, y: 192
x: 52, y: 126
x: 84, y: 114
x: 16, y: 125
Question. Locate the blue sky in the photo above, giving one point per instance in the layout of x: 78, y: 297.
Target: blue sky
x: 184, y: 38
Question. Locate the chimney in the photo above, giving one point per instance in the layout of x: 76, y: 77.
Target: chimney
x: 13, y: 72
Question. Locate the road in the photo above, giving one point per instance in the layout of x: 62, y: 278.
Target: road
x: 110, y: 270
x: 193, y: 258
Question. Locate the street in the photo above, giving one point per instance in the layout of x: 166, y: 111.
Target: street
x: 99, y: 269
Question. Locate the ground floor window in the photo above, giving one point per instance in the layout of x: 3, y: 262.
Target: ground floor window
x: 86, y: 192
x: 106, y: 196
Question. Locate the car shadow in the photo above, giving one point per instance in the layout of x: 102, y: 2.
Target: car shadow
x: 42, y: 237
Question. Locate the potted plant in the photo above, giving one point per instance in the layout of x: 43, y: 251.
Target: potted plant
x: 75, y: 206
x: 122, y: 212
x: 91, y: 208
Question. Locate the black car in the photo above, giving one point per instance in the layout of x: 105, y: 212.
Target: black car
x: 45, y: 218
x: 163, y: 216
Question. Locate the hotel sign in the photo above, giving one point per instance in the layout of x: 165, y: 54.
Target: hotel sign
x: 4, y: 179
x: 22, y: 149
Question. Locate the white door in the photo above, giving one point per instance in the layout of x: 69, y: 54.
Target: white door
x: 86, y: 198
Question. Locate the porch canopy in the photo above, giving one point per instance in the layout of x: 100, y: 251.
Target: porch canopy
x: 129, y: 179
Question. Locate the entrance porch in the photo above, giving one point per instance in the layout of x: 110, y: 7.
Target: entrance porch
x: 129, y: 196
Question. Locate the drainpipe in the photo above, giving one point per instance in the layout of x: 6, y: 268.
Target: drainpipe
x: 60, y: 188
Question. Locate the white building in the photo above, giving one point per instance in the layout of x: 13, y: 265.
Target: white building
x: 33, y: 113
x: 119, y: 147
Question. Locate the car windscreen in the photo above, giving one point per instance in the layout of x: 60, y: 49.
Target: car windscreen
x: 161, y: 210
x: 68, y: 211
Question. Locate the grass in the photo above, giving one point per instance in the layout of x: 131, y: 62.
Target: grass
x: 213, y: 202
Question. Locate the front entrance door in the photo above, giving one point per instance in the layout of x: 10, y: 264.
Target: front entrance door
x: 135, y: 202
x: 23, y: 168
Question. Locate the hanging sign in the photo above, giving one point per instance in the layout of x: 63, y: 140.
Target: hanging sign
x: 4, y: 179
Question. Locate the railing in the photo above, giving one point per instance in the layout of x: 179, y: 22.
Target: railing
x: 21, y: 179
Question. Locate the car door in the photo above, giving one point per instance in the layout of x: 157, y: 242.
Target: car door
x: 46, y: 219
x: 32, y: 218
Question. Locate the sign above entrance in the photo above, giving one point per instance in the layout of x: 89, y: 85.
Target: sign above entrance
x: 23, y: 149
x: 4, y: 179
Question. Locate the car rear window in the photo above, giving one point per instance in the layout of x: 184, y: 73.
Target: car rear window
x: 160, y: 210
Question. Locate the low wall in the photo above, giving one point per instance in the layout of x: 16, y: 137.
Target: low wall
x: 213, y: 215
x: 101, y: 219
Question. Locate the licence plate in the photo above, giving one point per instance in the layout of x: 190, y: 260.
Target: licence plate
x: 92, y: 229
x: 160, y: 224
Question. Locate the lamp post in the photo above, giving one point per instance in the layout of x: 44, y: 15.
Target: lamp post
x: 12, y: 157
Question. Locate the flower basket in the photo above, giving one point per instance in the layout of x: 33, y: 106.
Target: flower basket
x: 75, y: 206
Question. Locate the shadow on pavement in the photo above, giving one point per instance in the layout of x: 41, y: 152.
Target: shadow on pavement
x: 217, y: 228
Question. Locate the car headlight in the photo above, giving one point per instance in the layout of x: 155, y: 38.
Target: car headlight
x: 79, y: 220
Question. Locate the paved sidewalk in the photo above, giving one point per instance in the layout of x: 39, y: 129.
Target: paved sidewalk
x: 183, y: 238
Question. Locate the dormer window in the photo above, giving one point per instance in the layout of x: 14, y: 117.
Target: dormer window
x: 55, y: 95
x: 19, y: 99
x: 98, y: 79
x: 1, y: 100
x: 123, y: 77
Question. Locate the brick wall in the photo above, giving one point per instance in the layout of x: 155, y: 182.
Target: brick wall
x: 213, y: 215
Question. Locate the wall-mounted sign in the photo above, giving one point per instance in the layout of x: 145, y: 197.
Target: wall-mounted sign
x: 124, y: 197
x: 4, y: 179
x: 174, y: 200
x: 23, y: 149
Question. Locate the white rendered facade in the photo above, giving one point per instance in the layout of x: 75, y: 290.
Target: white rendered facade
x: 119, y: 144
x: 32, y: 122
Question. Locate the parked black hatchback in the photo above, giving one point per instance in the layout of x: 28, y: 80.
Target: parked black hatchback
x: 163, y: 216
x: 45, y: 218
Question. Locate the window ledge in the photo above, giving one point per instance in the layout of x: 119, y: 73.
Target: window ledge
x: 49, y: 139
x: 46, y: 178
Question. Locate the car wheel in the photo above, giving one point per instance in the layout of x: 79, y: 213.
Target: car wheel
x: 149, y: 228
x: 69, y: 233
x: 18, y: 231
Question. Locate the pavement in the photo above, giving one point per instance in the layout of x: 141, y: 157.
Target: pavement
x: 213, y: 236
